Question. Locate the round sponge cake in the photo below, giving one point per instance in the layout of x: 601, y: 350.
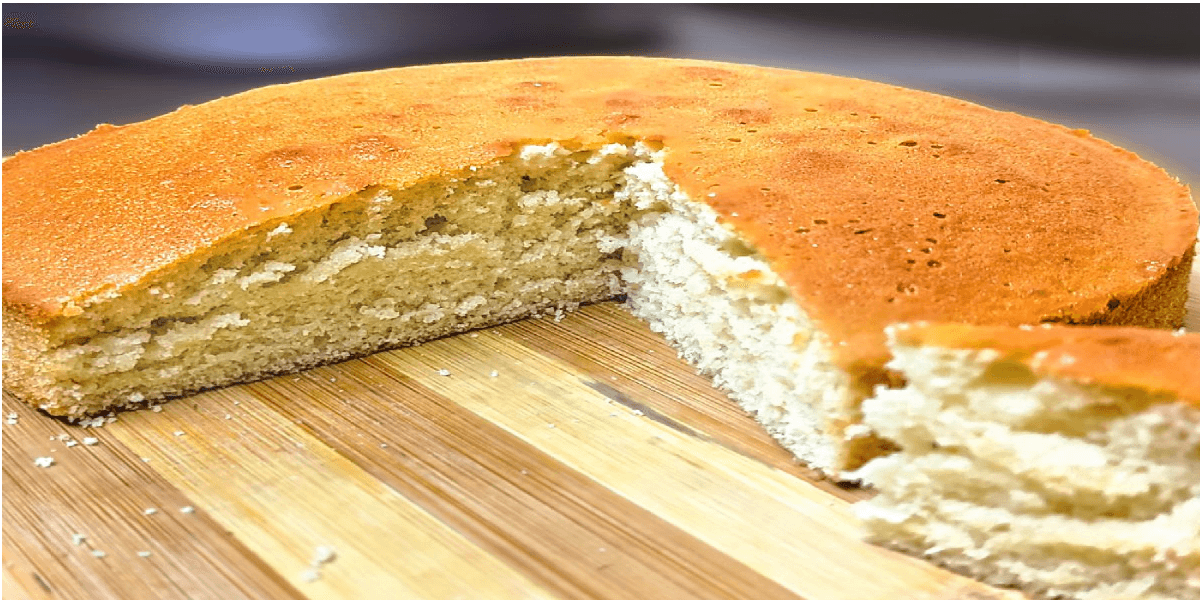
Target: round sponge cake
x: 869, y: 203
x: 875, y: 203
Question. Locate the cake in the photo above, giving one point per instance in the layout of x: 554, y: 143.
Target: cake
x: 769, y: 223
x: 1062, y: 460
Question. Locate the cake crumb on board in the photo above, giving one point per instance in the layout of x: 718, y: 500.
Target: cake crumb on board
x: 322, y: 555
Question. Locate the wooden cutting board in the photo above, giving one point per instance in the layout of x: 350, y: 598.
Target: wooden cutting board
x: 578, y: 459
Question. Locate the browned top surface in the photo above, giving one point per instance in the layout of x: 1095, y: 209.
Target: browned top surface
x: 1117, y: 356
x: 877, y: 204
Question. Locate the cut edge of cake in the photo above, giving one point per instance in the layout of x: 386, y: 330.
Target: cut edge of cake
x: 1051, y: 460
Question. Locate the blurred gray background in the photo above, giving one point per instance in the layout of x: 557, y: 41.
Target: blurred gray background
x: 1129, y: 73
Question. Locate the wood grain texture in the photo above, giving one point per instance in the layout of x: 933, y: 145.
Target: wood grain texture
x: 594, y: 464
x: 284, y: 493
x: 575, y: 536
x: 102, y: 492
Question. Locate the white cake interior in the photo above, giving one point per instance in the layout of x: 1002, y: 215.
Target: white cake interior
x: 1063, y: 489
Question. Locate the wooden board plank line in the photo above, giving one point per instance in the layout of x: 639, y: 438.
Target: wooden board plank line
x: 508, y: 497
x: 284, y: 493
x: 101, y: 492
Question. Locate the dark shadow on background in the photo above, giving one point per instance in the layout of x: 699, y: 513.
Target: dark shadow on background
x: 1169, y: 31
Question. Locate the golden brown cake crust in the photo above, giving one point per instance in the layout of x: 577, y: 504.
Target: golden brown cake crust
x: 875, y: 203
x: 1150, y: 359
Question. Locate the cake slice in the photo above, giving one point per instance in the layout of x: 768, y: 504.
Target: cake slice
x: 768, y: 223
x: 1061, y: 460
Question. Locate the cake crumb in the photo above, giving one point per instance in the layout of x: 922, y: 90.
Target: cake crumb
x: 90, y: 441
x: 494, y: 373
x: 323, y: 554
x: 444, y: 372
x: 638, y: 412
x: 78, y: 538
x: 283, y: 229
x: 149, y: 511
x: 187, y: 510
x: 92, y: 422
x: 99, y: 553
x: 310, y: 575
x: 144, y: 553
x: 44, y: 462
x: 156, y: 408
x: 856, y: 430
x: 178, y: 433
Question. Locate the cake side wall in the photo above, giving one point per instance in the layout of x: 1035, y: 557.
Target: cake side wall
x: 537, y: 233
x: 1161, y: 305
x: 25, y: 345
